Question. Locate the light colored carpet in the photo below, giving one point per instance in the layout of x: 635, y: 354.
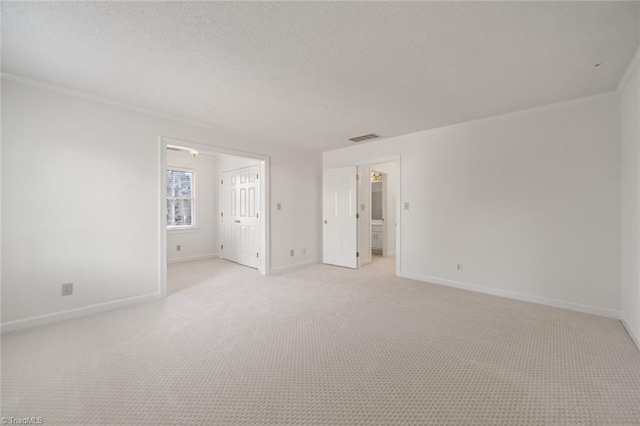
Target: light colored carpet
x: 323, y: 345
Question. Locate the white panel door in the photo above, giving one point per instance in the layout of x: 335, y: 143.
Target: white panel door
x: 240, y: 225
x: 339, y: 205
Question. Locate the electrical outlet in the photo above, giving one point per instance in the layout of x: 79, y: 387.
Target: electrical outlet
x: 459, y: 266
x: 279, y: 206
x: 178, y: 247
x: 406, y: 206
x: 292, y: 252
x: 67, y: 289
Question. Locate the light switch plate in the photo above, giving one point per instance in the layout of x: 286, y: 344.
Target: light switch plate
x: 67, y: 289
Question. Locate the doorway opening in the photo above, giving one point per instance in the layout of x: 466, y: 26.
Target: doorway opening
x: 377, y: 224
x: 213, y: 214
x: 378, y: 213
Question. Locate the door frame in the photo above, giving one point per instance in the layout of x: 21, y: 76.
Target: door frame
x: 265, y: 234
x: 385, y: 200
x: 397, y: 160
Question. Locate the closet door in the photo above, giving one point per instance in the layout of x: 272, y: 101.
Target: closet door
x: 240, y: 224
x: 339, y: 206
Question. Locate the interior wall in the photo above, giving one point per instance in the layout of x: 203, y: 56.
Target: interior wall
x: 232, y: 162
x: 528, y: 202
x: 201, y: 241
x: 296, y: 213
x: 81, y: 195
x: 630, y: 139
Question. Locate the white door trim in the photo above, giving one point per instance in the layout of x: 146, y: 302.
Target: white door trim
x: 265, y: 231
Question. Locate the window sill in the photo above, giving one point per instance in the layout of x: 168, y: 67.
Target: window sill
x: 182, y: 230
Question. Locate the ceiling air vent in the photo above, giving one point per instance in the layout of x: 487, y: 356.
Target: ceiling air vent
x: 364, y: 137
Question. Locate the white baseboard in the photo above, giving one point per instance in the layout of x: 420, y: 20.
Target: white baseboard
x: 22, y: 324
x: 633, y: 336
x: 296, y: 266
x: 588, y: 309
x: 190, y: 258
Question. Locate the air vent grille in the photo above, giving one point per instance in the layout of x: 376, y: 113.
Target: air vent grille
x: 364, y: 137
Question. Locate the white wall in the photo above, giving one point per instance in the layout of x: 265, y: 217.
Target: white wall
x: 299, y: 221
x: 630, y: 138
x: 231, y: 162
x: 201, y: 241
x: 69, y: 162
x: 528, y: 201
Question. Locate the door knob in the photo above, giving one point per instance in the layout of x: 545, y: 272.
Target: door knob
x: 236, y: 221
x: 325, y: 222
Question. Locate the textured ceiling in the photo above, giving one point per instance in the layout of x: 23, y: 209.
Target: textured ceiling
x: 316, y: 74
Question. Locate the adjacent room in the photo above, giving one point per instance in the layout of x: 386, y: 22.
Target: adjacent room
x: 320, y: 213
x: 213, y: 204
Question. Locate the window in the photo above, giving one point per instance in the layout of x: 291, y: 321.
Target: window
x: 180, y: 199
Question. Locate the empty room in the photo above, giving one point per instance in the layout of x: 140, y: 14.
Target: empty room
x: 320, y: 213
